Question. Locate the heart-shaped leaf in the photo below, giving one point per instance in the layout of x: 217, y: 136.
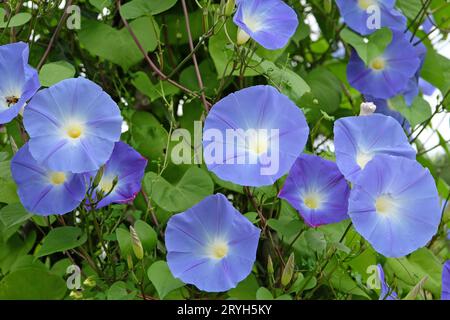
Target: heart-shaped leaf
x: 16, y: 21
x: 54, y: 72
x: 118, y: 46
x: 193, y: 187
x: 163, y: 280
x: 61, y: 239
x: 139, y: 8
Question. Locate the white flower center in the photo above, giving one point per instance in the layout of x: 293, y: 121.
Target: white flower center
x: 378, y: 64
x: 253, y: 23
x: 313, y: 200
x: 74, y: 130
x: 365, y: 4
x: 106, y: 185
x: 219, y: 249
x: 362, y: 159
x: 384, y: 204
x: 57, y: 178
x: 258, y: 143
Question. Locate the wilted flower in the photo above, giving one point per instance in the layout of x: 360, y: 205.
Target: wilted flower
x: 388, y: 74
x: 253, y: 136
x: 43, y: 191
x: 317, y: 189
x: 446, y: 281
x: 122, y: 175
x: 386, y: 292
x: 271, y: 23
x: 18, y: 81
x: 211, y: 245
x: 358, y: 140
x: 394, y: 205
x: 73, y: 126
x: 361, y: 15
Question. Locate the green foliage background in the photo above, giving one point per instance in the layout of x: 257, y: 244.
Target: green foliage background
x: 294, y: 262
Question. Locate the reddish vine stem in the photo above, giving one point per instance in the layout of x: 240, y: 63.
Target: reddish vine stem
x: 194, y: 57
x: 149, y: 61
x: 54, y: 36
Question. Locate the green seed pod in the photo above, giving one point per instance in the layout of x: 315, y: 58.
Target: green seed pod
x: 270, y: 269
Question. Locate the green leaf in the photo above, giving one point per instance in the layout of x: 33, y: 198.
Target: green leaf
x: 326, y: 92
x: 263, y: 294
x: 118, y: 46
x: 290, y: 83
x: 368, y: 47
x: 163, y: 280
x: 194, y: 186
x: 146, y: 234
x: 246, y: 289
x: 119, y: 291
x: 411, y: 8
x: 16, y: 21
x: 436, y: 70
x: 148, y: 135
x: 100, y: 4
x: 138, y: 8
x: 14, y: 214
x: 125, y: 242
x: 61, y: 239
x: 153, y: 91
x: 418, y: 112
x: 54, y: 72
x: 412, y: 295
x: 32, y: 284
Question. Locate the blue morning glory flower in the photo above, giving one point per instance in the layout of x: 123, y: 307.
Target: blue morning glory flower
x: 211, y: 245
x: 122, y: 175
x: 271, y: 23
x: 317, y: 189
x: 446, y: 281
x: 394, y: 205
x: 73, y: 126
x: 387, y: 75
x: 386, y: 292
x: 43, y: 191
x: 358, y: 140
x: 252, y: 137
x: 18, y: 81
x: 359, y: 16
x: 384, y: 108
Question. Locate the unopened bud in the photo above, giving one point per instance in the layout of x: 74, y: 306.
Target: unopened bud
x: 288, y: 271
x: 327, y: 5
x: 130, y: 262
x: 242, y: 37
x: 229, y: 7
x: 90, y: 282
x: 98, y: 177
x: 76, y: 295
x: 270, y: 269
x: 367, y: 108
x: 137, y: 244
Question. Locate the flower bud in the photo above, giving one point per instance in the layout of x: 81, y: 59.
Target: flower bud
x: 229, y: 7
x: 242, y: 37
x: 270, y: 269
x: 130, y: 262
x: 328, y: 6
x: 76, y: 295
x: 137, y: 244
x: 90, y: 282
x: 288, y: 271
x: 367, y: 108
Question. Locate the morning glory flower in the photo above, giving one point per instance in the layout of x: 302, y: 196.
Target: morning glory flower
x: 394, y: 205
x: 386, y: 292
x: 122, y: 175
x: 387, y: 75
x: 211, y: 245
x: 18, y: 81
x: 360, y: 15
x: 317, y: 189
x: 252, y: 137
x: 446, y: 281
x: 358, y: 140
x: 73, y: 126
x: 384, y: 108
x: 43, y: 191
x: 271, y: 23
